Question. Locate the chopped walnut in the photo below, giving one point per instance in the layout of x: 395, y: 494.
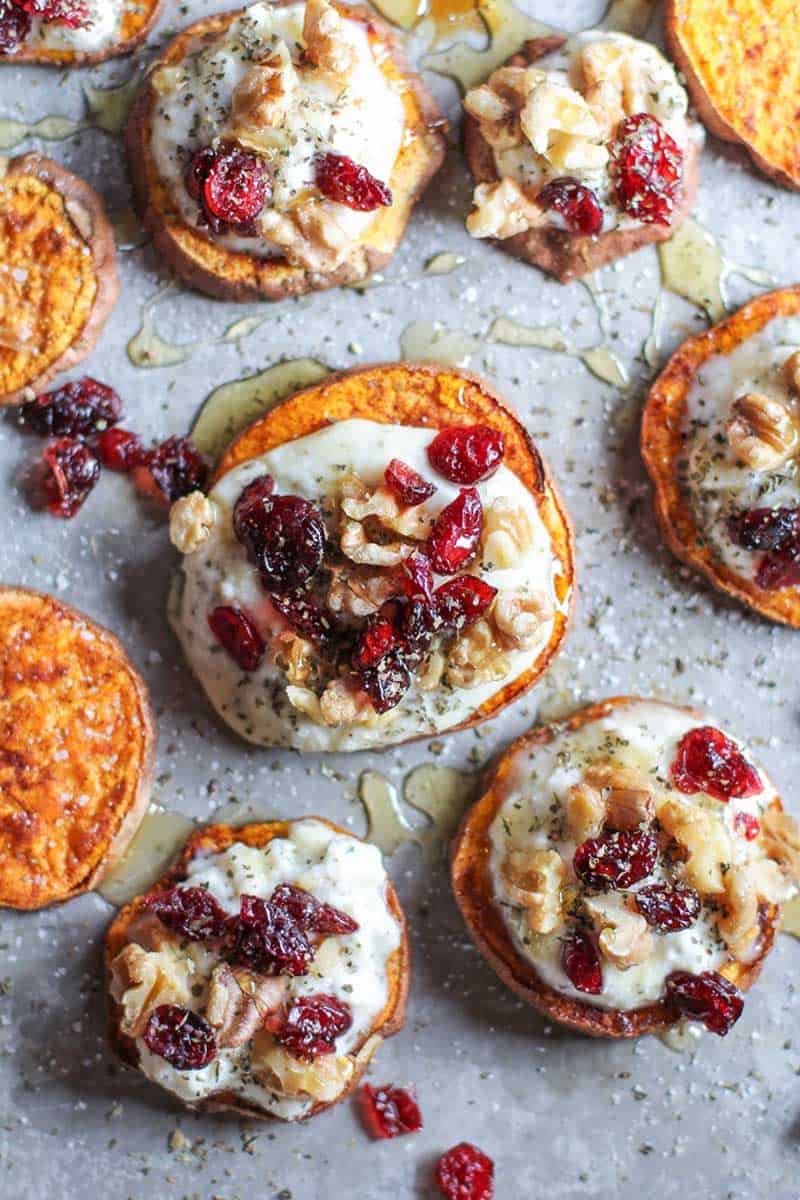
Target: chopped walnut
x: 309, y: 235
x: 355, y: 543
x: 782, y: 841
x: 323, y: 1079
x: 508, y: 532
x: 238, y: 1002
x: 142, y: 979
x: 191, y: 520
x: 298, y: 658
x: 325, y: 36
x: 585, y: 811
x: 502, y: 210
x: 630, y: 798
x: 561, y: 127
x: 615, y: 83
x: 357, y: 592
x: 705, y: 841
x: 791, y: 372
x: 368, y: 516
x: 625, y: 937
x: 475, y: 658
x: 745, y: 886
x: 518, y: 617
x: 261, y: 101
x: 533, y: 880
x: 761, y: 432
x: 431, y: 674
x: 338, y: 705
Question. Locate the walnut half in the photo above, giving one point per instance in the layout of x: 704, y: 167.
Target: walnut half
x: 705, y: 840
x: 534, y: 880
x: 761, y: 432
x: 625, y: 937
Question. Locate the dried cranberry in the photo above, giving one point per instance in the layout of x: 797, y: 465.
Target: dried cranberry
x: 120, y: 450
x: 387, y: 683
x: 577, y: 204
x: 465, y: 1173
x: 648, y: 167
x: 71, y: 472
x: 77, y: 409
x: 73, y: 13
x: 190, y: 911
x: 231, y: 186
x: 309, y: 913
x: 237, y: 634
x: 312, y: 1025
x: 460, y: 602
x: 183, y: 1038
x: 747, y: 825
x: 456, y: 533
x: 171, y: 470
x: 15, y: 25
x: 765, y: 528
x: 374, y: 642
x: 407, y: 484
x: 345, y: 182
x: 250, y: 512
x: 467, y: 453
x: 581, y: 962
x: 708, y: 761
x: 616, y: 860
x: 291, y: 543
x: 305, y: 617
x: 389, y: 1111
x: 779, y: 569
x: 666, y: 908
x: 416, y: 576
x: 199, y: 165
x: 707, y: 997
x: 266, y: 938
x: 414, y: 624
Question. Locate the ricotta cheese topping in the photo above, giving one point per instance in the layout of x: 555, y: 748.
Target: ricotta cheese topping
x: 219, y: 573
x: 642, y: 735
x: 100, y: 30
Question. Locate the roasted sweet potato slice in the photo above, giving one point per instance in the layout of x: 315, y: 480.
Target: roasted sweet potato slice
x: 567, y: 255
x: 744, y: 83
x: 138, y: 18
x: 663, y: 450
x: 473, y: 890
x: 230, y: 275
x: 77, y: 744
x: 58, y: 282
x: 214, y: 839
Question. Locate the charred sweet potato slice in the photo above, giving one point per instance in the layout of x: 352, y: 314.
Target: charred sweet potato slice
x: 743, y: 82
x: 58, y: 273
x: 138, y: 18
x: 230, y: 275
x: 214, y: 839
x: 423, y: 394
x: 77, y: 744
x: 472, y: 885
x: 663, y: 450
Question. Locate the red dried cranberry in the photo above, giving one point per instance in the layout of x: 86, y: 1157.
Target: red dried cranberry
x: 465, y: 1173
x: 171, y: 470
x: 387, y: 683
x: 581, y: 963
x: 231, y: 186
x: 77, y: 409
x: 414, y: 624
x: 120, y: 450
x: 708, y: 761
x: 416, y: 576
x: 765, y: 528
x: 73, y: 13
x: 71, y: 472
x: 456, y: 533
x: 312, y: 1025
x: 648, y: 168
x: 199, y: 166
x: 250, y: 512
x: 374, y: 642
x: 666, y: 908
x: 707, y: 997
x: 460, y: 602
x: 306, y: 617
x: 779, y: 569
x: 389, y: 1111
x: 266, y: 938
x: 183, y: 1038
x: 237, y: 634
x: 747, y: 825
x: 15, y: 25
x: 616, y: 860
x: 345, y: 182
x: 467, y: 453
x: 407, y: 485
x: 309, y: 913
x: 190, y: 911
x: 291, y: 543
x: 577, y: 204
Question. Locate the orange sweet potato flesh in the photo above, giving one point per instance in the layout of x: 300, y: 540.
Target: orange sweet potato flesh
x: 663, y: 450
x: 77, y: 744
x: 54, y: 296
x: 231, y: 275
x: 424, y: 394
x: 473, y: 890
x: 138, y: 18
x: 741, y: 68
x: 214, y: 839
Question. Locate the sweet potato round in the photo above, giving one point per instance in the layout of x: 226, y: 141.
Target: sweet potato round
x: 663, y: 449
x: 474, y: 894
x: 214, y: 839
x: 138, y: 18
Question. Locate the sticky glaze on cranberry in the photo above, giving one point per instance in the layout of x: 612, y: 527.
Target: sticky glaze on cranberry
x: 414, y: 623
x: 374, y: 642
x: 577, y: 204
x: 288, y: 542
x: 416, y: 576
x: 231, y: 185
x: 238, y: 636
x: 388, y: 1111
x: 765, y: 528
x: 407, y: 484
x: 345, y: 182
x: 647, y: 165
x: 779, y: 569
x: 465, y: 1173
x: 312, y: 1024
x: 120, y: 450
x: 707, y: 997
x: 708, y: 761
x: 190, y: 911
x: 309, y: 913
x: 268, y: 939
x: 386, y: 683
x: 668, y: 909
x: 78, y: 409
x: 181, y: 1037
x: 616, y: 860
x: 467, y: 453
x: 305, y: 616
x: 71, y: 471
x: 456, y: 533
x: 15, y: 25
x: 171, y: 470
x: 460, y: 602
x: 581, y: 962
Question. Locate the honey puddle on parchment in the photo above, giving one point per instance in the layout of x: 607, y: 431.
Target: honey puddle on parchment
x: 157, y: 841
x: 441, y: 793
x: 106, y: 109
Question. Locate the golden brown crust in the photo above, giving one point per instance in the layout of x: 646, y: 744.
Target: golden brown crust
x: 740, y: 77
x: 474, y: 895
x: 663, y: 448
x: 425, y: 394
x: 47, y: 218
x: 138, y: 19
x: 566, y: 255
x: 229, y: 275
x: 77, y: 749
x: 214, y: 839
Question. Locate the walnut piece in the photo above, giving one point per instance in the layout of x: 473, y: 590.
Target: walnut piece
x: 705, y: 840
x: 325, y: 36
x: 746, y: 884
x: 298, y: 658
x: 323, y: 1079
x: 791, y: 372
x: 518, y: 617
x: 562, y: 128
x: 261, y: 101
x: 782, y: 841
x: 615, y: 83
x: 142, y: 979
x: 358, y: 592
x: 338, y: 705
x: 238, y: 1002
x: 502, y: 210
x: 368, y: 515
x: 507, y: 533
x: 630, y: 798
x: 625, y: 937
x: 533, y: 880
x: 475, y: 657
x: 585, y: 811
x: 761, y: 432
x: 191, y: 520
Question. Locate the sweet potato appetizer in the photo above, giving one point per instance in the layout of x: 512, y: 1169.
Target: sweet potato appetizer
x: 65, y: 38
x: 245, y: 995
x: 54, y: 296
x: 743, y: 83
x: 307, y: 243
x: 407, y: 603
x: 719, y: 439
x: 585, y: 207
x: 77, y: 744
x: 624, y: 864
